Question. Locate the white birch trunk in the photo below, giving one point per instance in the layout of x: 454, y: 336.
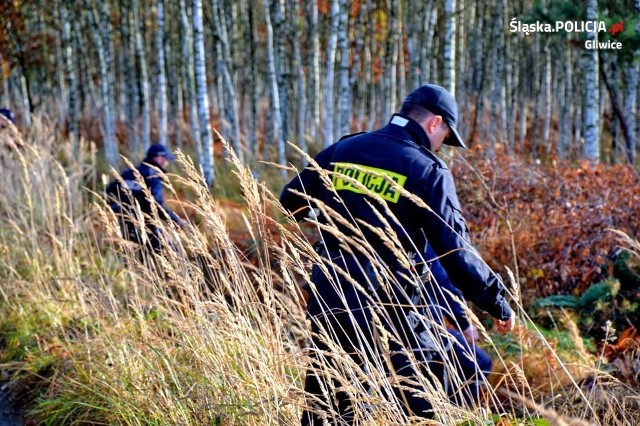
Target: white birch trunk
x: 300, y: 77
x: 282, y: 70
x: 522, y: 133
x: 402, y: 66
x: 275, y: 98
x: 253, y: 86
x: 548, y: 101
x: 162, y: 79
x: 61, y: 88
x: 355, y: 82
x: 636, y: 58
x: 24, y: 97
x: 100, y: 25
x: 206, y: 138
x: 500, y: 96
x: 536, y: 91
x: 344, y: 123
x: 592, y: 93
x: 426, y: 53
x: 477, y: 48
x: 392, y: 55
x: 506, y: 96
x: 332, y: 41
x: 70, y: 75
x: 189, y: 78
x: 174, y: 85
x: 373, y: 98
x: 416, y: 33
x: 631, y: 72
x: 224, y: 62
x: 145, y: 109
x: 315, y: 70
x: 449, y: 40
x: 131, y: 96
x: 566, y: 98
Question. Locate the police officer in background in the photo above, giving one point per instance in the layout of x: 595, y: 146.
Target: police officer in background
x: 129, y: 193
x: 399, y: 155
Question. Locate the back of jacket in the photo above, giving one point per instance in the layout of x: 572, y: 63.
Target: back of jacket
x: 124, y: 193
x: 415, y: 203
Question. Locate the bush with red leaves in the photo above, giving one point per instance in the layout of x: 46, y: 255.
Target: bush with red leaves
x: 557, y: 217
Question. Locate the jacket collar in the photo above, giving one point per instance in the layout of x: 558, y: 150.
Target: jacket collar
x: 414, y: 131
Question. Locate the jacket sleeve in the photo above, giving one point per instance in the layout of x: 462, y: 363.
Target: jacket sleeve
x: 154, y: 183
x: 447, y: 233
x: 309, y: 182
x: 450, y: 298
x: 111, y: 195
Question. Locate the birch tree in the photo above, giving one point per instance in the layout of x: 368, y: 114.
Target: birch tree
x: 173, y: 68
x: 631, y: 72
x: 636, y: 69
x: 101, y: 37
x: 69, y: 72
x: 591, y: 94
x: 355, y: 81
x: 508, y: 89
x: 162, y: 79
x: 223, y: 63
x: 282, y: 72
x: 189, y: 78
x: 547, y: 100
x: 449, y: 39
x: 206, y: 138
x: 273, y: 88
x: 300, y: 76
x: 426, y: 52
x: 145, y: 110
x: 498, y: 126
x: 332, y: 41
x: 314, y: 66
x: 128, y: 46
x: 630, y: 107
x: 252, y: 82
x: 344, y: 122
x: 392, y: 53
x: 566, y: 97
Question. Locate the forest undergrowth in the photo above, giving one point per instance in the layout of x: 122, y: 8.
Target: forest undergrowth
x: 95, y: 331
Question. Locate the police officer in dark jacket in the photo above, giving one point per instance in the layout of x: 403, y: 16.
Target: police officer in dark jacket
x: 144, y: 192
x: 389, y: 164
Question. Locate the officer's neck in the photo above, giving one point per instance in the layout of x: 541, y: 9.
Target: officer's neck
x: 412, y: 127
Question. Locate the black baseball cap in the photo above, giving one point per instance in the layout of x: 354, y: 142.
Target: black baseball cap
x: 159, y: 150
x: 8, y: 114
x: 441, y: 102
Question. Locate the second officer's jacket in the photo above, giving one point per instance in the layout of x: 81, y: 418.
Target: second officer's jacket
x: 396, y: 164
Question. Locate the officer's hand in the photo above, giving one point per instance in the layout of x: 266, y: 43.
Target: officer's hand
x: 182, y: 223
x: 471, y: 334
x: 506, y: 325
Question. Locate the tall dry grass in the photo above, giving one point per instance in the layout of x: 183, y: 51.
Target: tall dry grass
x: 206, y: 333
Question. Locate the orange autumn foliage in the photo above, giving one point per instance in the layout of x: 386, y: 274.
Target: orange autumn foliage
x: 559, y: 216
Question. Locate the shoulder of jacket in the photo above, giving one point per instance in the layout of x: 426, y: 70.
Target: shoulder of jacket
x: 146, y: 170
x: 437, y: 161
x: 351, y: 135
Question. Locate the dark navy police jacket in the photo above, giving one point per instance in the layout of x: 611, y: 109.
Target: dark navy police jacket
x: 400, y: 152
x: 120, y: 201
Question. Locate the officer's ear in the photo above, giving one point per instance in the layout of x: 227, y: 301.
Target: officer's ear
x: 432, y: 123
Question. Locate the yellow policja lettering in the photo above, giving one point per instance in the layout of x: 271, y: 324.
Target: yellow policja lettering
x: 374, y: 179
